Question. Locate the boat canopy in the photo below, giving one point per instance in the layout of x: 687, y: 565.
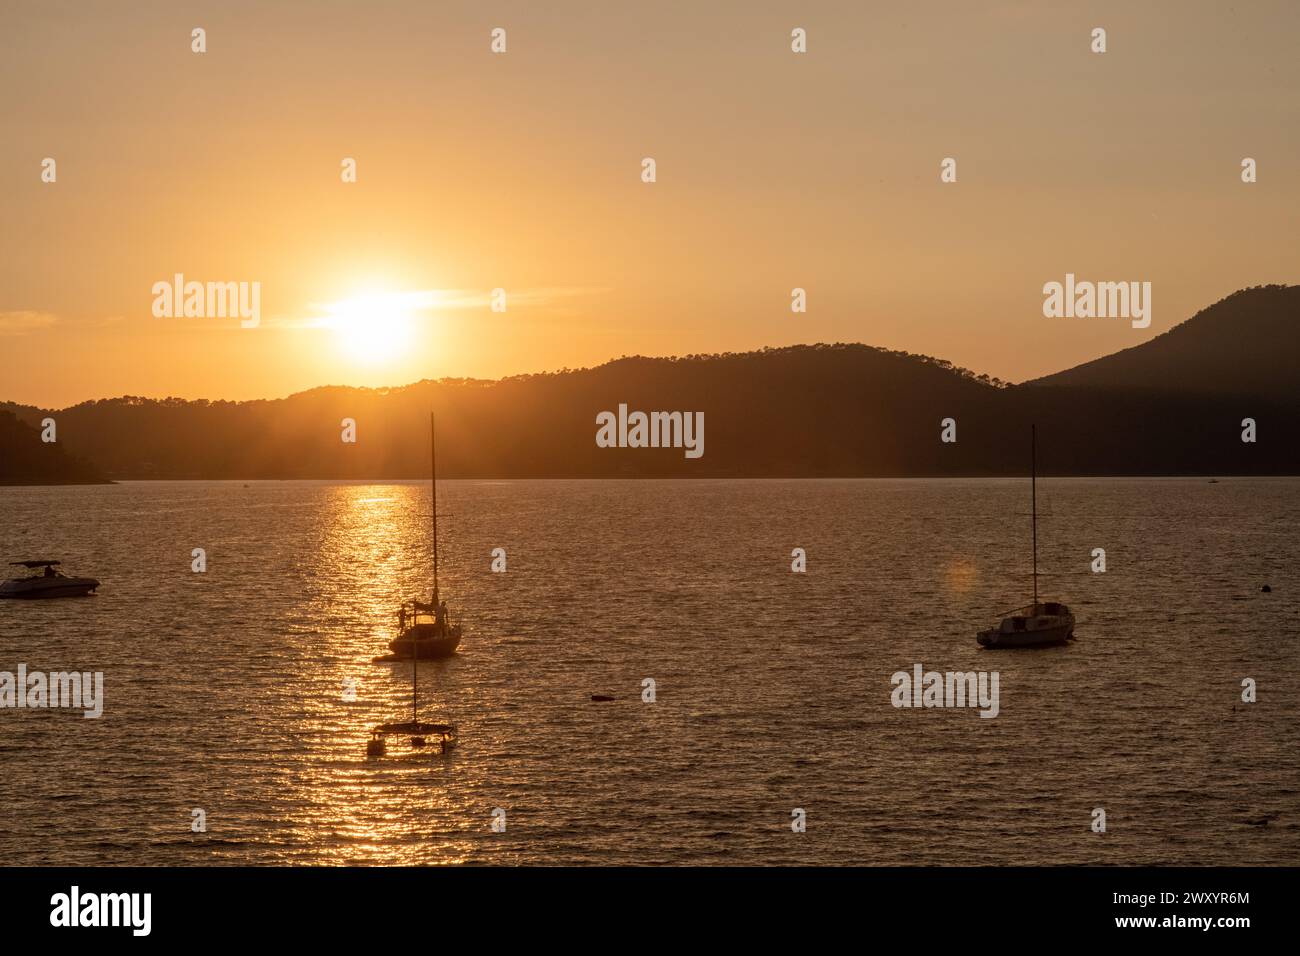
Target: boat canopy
x: 34, y: 564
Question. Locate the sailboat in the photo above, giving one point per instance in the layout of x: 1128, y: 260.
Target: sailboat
x: 377, y: 746
x: 426, y: 630
x: 1042, y: 623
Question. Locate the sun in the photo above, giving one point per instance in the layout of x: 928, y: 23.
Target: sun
x: 372, y: 328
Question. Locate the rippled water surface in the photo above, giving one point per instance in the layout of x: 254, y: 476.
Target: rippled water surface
x: 225, y: 690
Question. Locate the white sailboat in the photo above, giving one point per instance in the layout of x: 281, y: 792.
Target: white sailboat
x: 1042, y: 623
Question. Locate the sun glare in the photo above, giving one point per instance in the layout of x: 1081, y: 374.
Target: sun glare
x: 372, y: 328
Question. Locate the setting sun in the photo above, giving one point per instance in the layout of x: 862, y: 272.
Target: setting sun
x: 375, y: 327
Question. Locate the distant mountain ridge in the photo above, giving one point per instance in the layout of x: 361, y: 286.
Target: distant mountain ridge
x: 1245, y: 344
x: 1173, y: 405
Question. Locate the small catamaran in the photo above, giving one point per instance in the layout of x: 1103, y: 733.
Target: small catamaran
x: 426, y: 630
x: 417, y: 731
x: 1042, y: 623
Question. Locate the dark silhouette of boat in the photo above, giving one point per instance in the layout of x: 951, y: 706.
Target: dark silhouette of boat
x: 426, y: 630
x: 1040, y: 624
x: 48, y: 583
x: 418, y: 731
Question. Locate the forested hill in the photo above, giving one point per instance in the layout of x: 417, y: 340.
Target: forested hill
x: 1172, y: 406
x: 1246, y: 344
x: 26, y: 460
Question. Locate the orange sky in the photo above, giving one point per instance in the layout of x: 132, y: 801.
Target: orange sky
x: 522, y: 171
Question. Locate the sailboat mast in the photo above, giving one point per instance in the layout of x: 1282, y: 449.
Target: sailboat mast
x: 1033, y: 493
x: 433, y: 472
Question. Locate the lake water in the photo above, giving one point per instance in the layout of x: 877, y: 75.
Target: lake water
x: 225, y: 690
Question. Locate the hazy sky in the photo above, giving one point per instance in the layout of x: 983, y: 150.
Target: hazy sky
x: 522, y: 171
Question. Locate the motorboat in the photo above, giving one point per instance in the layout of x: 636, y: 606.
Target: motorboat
x: 45, y: 582
x: 1042, y: 623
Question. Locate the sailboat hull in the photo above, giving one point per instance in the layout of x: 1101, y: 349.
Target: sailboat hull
x: 425, y: 642
x: 1029, y: 631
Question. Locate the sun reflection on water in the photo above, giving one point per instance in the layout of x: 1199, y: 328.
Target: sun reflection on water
x: 409, y: 806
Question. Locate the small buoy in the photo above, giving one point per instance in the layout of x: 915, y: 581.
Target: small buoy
x: 1266, y: 589
x: 600, y: 698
